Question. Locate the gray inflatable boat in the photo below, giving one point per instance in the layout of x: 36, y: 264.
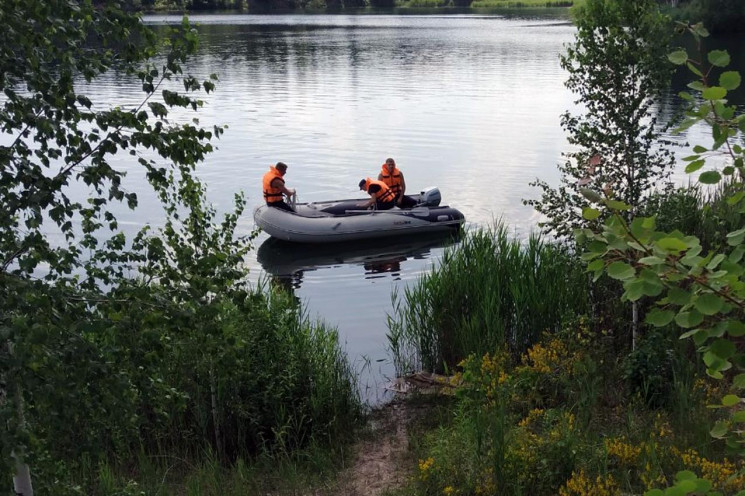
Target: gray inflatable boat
x: 344, y: 220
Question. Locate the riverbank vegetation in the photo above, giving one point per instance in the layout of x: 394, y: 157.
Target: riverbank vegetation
x: 633, y: 384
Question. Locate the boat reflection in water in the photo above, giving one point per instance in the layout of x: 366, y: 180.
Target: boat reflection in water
x: 287, y: 262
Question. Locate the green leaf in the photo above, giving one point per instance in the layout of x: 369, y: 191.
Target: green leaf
x: 648, y: 222
x: 723, y: 348
x: 617, y: 205
x: 674, y: 491
x: 696, y: 333
x: 659, y: 318
x: 730, y: 80
x: 719, y: 58
x: 710, y: 177
x: 688, y: 486
x: 696, y: 85
x: 689, y: 319
x: 735, y: 328
x: 708, y: 303
x: 685, y: 125
x: 595, y: 265
x: 621, y: 271
x: 736, y: 237
x: 694, y: 166
x: 730, y: 400
x: 591, y: 195
x: 694, y: 69
x: 678, y: 57
x: 714, y: 93
x: 674, y: 245
x: 685, y: 475
x: 654, y: 492
x: 590, y: 213
x: 719, y: 258
x: 719, y: 430
x: 700, y: 149
x: 679, y: 296
x: 653, y: 260
x: 736, y: 198
x: 738, y: 381
x: 703, y: 486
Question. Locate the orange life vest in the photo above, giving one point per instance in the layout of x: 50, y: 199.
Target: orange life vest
x: 272, y: 194
x: 393, y: 180
x: 384, y: 194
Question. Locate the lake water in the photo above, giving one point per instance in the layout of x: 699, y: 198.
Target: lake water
x: 468, y: 103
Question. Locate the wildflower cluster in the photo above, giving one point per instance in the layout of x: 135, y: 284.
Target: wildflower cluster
x: 710, y: 390
x: 542, y: 449
x: 582, y: 485
x: 486, y: 376
x: 425, y: 468
x: 724, y: 475
x: 559, y: 353
x: 625, y: 453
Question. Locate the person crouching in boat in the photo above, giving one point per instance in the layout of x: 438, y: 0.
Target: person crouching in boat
x: 394, y: 178
x: 274, y: 187
x: 381, y: 196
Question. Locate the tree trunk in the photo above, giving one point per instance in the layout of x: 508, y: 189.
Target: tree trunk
x: 22, y: 478
x: 215, y: 412
x: 634, y: 323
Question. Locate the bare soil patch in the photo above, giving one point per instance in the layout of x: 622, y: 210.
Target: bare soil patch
x: 382, y: 460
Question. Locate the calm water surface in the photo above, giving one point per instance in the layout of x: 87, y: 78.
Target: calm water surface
x: 468, y: 103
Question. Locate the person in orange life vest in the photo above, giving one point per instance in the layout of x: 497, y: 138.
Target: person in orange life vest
x: 381, y: 196
x: 394, y: 178
x: 274, y: 187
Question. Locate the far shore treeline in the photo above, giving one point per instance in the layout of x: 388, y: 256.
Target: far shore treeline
x: 721, y: 16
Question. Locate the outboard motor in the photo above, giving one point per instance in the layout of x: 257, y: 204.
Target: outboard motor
x: 430, y: 197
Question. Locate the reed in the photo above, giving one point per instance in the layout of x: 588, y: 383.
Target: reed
x: 489, y: 292
x: 702, y: 211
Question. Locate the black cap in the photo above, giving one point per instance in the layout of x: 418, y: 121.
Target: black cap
x: 362, y: 184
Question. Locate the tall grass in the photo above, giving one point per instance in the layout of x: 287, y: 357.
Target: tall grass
x: 490, y: 291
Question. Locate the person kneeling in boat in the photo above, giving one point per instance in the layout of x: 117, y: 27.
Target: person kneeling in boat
x: 394, y: 178
x: 274, y: 187
x: 381, y: 196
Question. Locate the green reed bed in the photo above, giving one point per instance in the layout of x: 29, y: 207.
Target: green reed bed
x: 489, y: 291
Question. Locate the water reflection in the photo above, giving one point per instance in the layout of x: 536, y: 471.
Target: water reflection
x: 288, y: 263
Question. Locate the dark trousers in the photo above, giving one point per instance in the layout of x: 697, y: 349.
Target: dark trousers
x: 407, y: 202
x: 384, y: 205
x: 280, y: 204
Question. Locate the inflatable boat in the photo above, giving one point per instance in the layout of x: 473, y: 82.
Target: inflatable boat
x: 346, y: 220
